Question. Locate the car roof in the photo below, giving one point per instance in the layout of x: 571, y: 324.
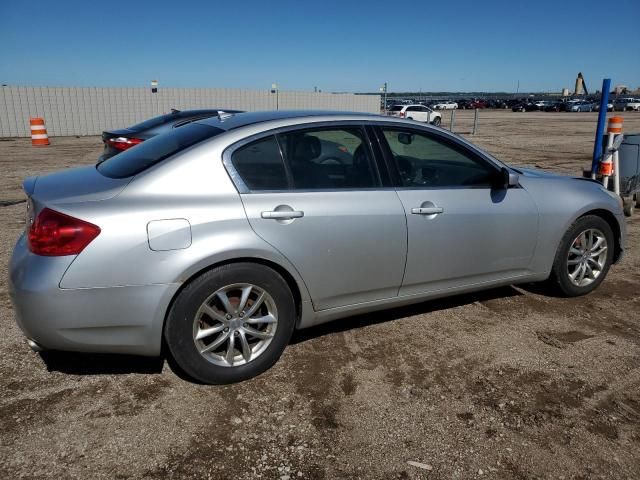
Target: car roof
x: 237, y: 120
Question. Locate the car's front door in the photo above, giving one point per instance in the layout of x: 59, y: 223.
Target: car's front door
x: 461, y: 231
x: 315, y: 196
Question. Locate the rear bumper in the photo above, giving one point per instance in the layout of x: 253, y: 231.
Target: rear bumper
x: 123, y: 319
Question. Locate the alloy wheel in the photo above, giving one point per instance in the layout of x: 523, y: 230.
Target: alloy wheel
x: 235, y: 324
x: 587, y: 257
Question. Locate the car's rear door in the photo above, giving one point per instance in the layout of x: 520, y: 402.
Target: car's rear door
x: 316, y: 195
x: 461, y: 231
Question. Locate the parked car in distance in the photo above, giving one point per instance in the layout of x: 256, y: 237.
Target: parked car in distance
x: 218, y: 239
x: 553, y: 106
x: 626, y: 105
x: 580, y: 106
x: 419, y: 113
x: 445, y: 105
x: 116, y: 141
x: 596, y: 107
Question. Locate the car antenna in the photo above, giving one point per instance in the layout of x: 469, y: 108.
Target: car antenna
x: 222, y: 115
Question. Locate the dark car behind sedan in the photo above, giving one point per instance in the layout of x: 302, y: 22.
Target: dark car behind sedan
x: 116, y: 141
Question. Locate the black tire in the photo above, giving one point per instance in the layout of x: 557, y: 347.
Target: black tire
x: 178, y: 331
x: 559, y: 278
x: 629, y: 207
x: 437, y: 121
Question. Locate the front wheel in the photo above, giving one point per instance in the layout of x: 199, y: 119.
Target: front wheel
x: 437, y: 121
x: 231, y: 323
x: 583, y: 257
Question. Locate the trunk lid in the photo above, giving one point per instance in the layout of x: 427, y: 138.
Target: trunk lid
x: 84, y: 184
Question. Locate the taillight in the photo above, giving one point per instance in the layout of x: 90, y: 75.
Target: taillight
x: 54, y: 234
x: 401, y: 116
x: 123, y: 143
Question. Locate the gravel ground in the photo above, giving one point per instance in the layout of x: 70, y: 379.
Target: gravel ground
x: 507, y: 383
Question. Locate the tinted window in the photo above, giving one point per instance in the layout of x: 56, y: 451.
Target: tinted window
x: 148, y: 153
x: 260, y: 165
x: 396, y: 108
x: 155, y: 122
x: 329, y: 158
x: 424, y: 161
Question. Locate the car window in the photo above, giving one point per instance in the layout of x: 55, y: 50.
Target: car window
x: 152, y: 151
x: 425, y: 161
x: 396, y: 108
x: 260, y: 165
x: 332, y: 158
x: 155, y: 122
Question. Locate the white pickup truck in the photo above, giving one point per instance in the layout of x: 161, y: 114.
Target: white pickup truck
x: 419, y: 113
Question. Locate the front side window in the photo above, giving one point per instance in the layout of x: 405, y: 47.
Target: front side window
x: 329, y: 159
x: 425, y: 161
x: 260, y: 165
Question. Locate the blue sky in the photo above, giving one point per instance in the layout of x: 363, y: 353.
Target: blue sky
x: 336, y: 46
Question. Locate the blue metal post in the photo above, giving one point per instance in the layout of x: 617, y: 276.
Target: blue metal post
x: 602, y: 118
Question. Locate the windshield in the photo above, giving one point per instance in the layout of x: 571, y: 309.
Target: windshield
x: 142, y: 156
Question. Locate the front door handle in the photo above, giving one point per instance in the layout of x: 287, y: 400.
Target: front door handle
x: 427, y: 210
x: 282, y: 214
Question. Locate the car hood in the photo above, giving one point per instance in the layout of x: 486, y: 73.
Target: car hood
x: 74, y: 185
x: 537, y: 173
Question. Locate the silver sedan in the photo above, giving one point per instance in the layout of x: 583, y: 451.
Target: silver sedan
x: 222, y: 237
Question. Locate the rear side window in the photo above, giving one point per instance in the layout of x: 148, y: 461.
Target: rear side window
x: 260, y: 165
x: 329, y: 159
x: 152, y: 151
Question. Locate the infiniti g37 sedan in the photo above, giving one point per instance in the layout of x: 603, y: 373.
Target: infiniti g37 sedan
x: 220, y: 238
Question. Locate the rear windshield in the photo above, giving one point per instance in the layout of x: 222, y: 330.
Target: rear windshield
x: 396, y: 108
x: 155, y: 122
x: 139, y: 158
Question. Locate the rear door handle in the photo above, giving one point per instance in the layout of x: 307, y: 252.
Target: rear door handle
x: 282, y: 214
x: 427, y: 210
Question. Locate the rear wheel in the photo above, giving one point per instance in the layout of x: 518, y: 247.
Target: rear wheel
x: 437, y: 121
x: 231, y: 323
x: 584, y: 256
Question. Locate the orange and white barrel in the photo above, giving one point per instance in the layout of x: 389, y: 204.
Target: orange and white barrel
x: 615, y: 125
x: 39, y: 137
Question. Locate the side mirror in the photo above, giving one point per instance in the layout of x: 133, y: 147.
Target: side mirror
x: 506, y: 179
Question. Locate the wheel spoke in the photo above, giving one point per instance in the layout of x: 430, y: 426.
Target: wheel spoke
x: 576, y: 251
x: 231, y: 350
x: 265, y: 319
x: 599, y: 252
x: 215, y: 315
x: 589, y: 270
x: 597, y: 244
x: 583, y: 270
x: 576, y: 272
x: 589, y: 237
x: 246, y: 291
x: 225, y: 303
x: 256, y: 305
x: 246, y: 348
x: 595, y: 263
x: 216, y: 343
x: 207, y: 332
x: 574, y: 261
x: 257, y: 333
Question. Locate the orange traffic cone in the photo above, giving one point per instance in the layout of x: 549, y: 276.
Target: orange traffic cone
x: 39, y: 137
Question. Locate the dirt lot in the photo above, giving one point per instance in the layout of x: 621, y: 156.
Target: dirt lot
x: 507, y: 383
